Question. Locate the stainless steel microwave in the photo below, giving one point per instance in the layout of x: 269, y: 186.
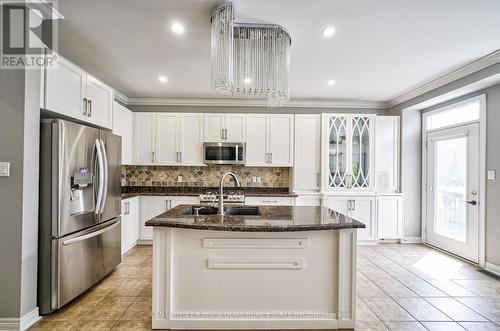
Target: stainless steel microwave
x: 224, y: 153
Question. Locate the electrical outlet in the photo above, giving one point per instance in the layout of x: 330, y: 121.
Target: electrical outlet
x: 5, y: 169
x: 179, y: 179
x: 254, y: 179
x: 407, y: 222
x: 491, y: 174
x: 259, y: 179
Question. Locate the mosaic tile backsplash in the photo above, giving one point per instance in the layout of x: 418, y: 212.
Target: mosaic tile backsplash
x: 208, y: 176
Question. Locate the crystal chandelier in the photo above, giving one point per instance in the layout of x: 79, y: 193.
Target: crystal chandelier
x: 249, y: 59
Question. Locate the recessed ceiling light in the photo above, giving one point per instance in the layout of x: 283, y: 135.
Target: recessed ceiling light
x: 162, y: 79
x: 331, y: 82
x: 247, y: 80
x: 328, y: 31
x: 178, y: 28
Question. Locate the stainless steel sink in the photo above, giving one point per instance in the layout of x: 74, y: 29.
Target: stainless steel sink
x: 242, y: 211
x: 199, y: 210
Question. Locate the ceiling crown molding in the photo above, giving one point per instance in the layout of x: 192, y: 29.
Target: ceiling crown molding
x: 122, y: 98
x: 454, y: 75
x: 239, y: 102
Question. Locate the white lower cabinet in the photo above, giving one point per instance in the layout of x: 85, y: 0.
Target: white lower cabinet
x: 152, y: 206
x: 308, y: 200
x: 269, y: 201
x: 361, y: 209
x: 130, y: 223
x: 390, y: 217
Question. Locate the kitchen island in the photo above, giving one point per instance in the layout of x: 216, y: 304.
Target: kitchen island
x: 254, y: 268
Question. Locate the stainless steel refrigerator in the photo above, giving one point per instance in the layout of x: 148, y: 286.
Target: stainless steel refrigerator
x: 80, y: 202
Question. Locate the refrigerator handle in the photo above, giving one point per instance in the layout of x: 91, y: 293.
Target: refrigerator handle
x: 105, y: 177
x: 90, y: 235
x: 100, y: 165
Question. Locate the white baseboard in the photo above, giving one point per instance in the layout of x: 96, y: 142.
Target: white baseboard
x: 144, y: 242
x: 22, y: 323
x: 493, y: 268
x: 129, y: 248
x: 411, y: 240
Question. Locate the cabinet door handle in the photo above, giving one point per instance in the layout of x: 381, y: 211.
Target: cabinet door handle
x: 266, y: 159
x: 271, y: 157
x: 349, y: 205
x: 353, y: 204
x: 222, y: 134
x: 269, y: 201
x: 85, y: 106
x: 317, y: 179
x: 89, y: 102
x: 153, y: 156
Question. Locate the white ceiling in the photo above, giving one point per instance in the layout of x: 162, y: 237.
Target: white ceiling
x: 381, y: 49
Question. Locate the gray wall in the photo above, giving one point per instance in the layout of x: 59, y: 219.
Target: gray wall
x: 411, y: 157
x: 20, y: 113
x: 11, y: 191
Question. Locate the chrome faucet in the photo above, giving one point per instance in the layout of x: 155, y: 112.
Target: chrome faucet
x: 221, y: 188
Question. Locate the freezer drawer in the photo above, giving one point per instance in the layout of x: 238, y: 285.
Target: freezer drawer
x: 85, y: 258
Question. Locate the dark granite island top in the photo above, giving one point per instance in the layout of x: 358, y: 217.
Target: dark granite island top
x: 269, y: 219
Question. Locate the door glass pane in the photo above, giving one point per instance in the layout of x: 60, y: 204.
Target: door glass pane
x: 360, y: 151
x: 337, y: 151
x: 451, y: 188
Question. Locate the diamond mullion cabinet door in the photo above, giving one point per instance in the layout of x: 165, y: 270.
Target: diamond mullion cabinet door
x: 167, y: 139
x: 100, y: 103
x: 214, y: 128
x: 144, y: 138
x: 123, y: 126
x: 65, y: 90
x: 360, y: 142
x: 234, y: 126
x: 336, y: 152
x: 307, y: 153
x: 257, y: 153
x: 281, y: 130
x: 191, y: 139
x: 386, y: 154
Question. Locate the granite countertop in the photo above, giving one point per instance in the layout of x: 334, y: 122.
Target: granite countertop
x: 270, y: 219
x: 134, y: 191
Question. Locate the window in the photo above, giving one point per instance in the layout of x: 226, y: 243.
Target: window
x: 462, y: 112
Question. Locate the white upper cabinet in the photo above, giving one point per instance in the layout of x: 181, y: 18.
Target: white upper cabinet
x: 386, y: 153
x: 65, y: 90
x: 269, y: 140
x: 191, y: 139
x: 72, y: 92
x: 123, y: 125
x: 281, y: 140
x: 306, y: 167
x: 167, y: 139
x: 257, y: 148
x: 100, y: 103
x: 144, y: 138
x: 348, y: 152
x: 224, y: 127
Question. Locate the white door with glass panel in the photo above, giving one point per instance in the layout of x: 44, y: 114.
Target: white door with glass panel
x: 452, y: 190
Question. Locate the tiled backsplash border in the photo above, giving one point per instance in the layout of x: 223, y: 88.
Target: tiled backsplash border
x: 199, y: 176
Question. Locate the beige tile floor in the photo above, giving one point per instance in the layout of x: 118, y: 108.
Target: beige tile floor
x: 400, y: 287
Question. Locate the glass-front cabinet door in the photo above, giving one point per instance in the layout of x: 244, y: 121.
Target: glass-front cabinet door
x: 349, y: 151
x: 360, y: 152
x: 337, y: 151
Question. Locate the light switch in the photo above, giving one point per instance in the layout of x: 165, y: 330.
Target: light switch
x: 5, y: 169
x: 491, y: 174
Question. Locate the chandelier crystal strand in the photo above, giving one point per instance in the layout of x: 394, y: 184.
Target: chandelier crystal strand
x: 222, y: 52
x: 250, y: 60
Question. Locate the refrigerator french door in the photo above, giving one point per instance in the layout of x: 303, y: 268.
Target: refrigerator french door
x: 80, y: 202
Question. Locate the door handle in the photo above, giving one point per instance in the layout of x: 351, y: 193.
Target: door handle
x: 222, y: 134
x: 85, y: 106
x: 89, y: 102
x: 271, y: 157
x: 90, y: 235
x: 472, y: 202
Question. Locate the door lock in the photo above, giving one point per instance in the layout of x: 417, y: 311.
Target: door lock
x: 472, y: 202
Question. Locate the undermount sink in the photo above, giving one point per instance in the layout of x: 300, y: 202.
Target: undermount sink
x: 235, y: 211
x: 242, y: 211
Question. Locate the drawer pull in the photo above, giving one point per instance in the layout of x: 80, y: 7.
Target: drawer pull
x: 256, y: 243
x: 255, y: 263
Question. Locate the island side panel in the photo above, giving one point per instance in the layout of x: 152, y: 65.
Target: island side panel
x: 261, y: 272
